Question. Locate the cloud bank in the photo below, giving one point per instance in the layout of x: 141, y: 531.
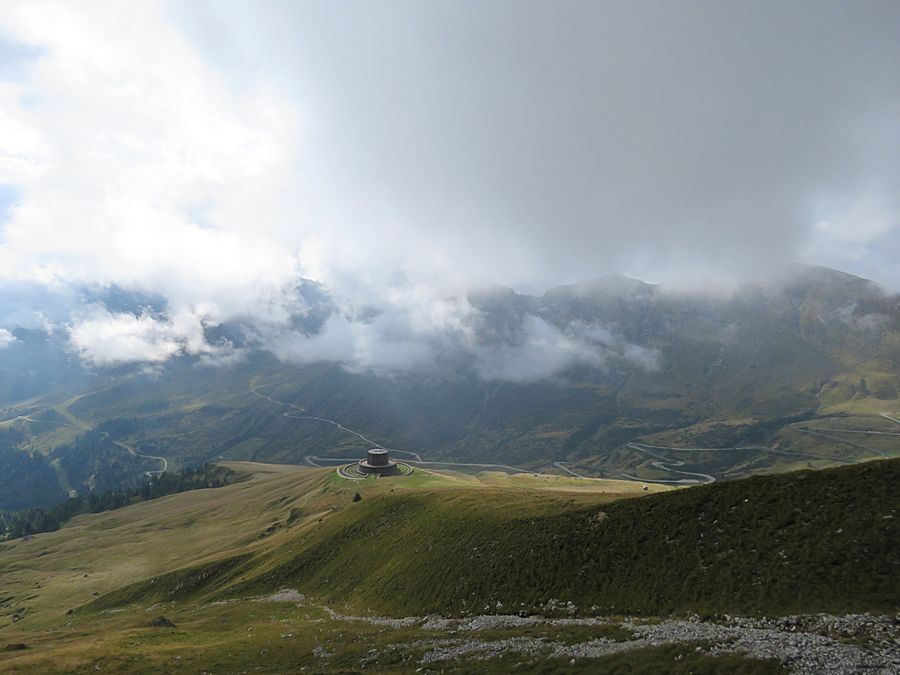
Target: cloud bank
x: 215, y: 154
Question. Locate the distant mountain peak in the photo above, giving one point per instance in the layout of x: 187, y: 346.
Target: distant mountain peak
x: 608, y: 284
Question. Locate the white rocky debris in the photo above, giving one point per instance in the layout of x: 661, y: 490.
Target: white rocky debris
x: 805, y: 644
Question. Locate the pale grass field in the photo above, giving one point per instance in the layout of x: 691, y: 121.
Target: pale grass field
x: 97, y: 553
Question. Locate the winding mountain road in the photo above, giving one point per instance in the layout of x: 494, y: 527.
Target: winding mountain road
x: 666, y: 465
x: 823, y: 432
x: 857, y: 431
x: 314, y: 460
x: 663, y: 463
x: 563, y: 467
x: 820, y: 432
x: 759, y: 448
x: 293, y: 414
x: 158, y: 472
x: 81, y: 426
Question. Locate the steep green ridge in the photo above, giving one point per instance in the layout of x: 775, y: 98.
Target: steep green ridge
x: 800, y: 542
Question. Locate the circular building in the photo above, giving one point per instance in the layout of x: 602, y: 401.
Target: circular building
x: 378, y: 461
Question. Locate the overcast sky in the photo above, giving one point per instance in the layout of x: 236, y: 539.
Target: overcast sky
x: 215, y: 152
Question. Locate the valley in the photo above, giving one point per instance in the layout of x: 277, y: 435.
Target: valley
x: 801, y: 375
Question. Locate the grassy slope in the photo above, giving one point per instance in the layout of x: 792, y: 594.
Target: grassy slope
x: 95, y: 554
x: 810, y: 541
x: 813, y: 541
x: 285, y: 637
x: 428, y: 543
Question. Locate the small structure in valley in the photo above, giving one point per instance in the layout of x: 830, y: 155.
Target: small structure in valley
x: 379, y: 462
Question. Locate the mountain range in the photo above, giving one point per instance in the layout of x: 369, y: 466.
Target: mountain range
x: 609, y: 378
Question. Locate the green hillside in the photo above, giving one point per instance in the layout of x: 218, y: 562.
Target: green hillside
x: 799, y: 542
x: 266, y: 509
x: 285, y: 570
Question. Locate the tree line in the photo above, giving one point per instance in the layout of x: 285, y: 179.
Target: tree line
x: 26, y: 478
x: 25, y: 522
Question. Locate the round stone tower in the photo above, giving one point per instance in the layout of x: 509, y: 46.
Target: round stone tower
x: 378, y: 461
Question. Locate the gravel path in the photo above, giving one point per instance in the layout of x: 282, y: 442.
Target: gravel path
x: 794, y: 645
x: 806, y: 644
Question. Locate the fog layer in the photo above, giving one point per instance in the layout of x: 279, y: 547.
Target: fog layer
x: 213, y: 155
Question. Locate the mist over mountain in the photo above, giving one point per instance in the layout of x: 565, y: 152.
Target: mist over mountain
x: 422, y: 152
x: 213, y: 184
x: 493, y: 334
x: 575, y: 374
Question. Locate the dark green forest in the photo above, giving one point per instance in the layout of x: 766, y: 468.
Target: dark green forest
x: 92, y: 462
x: 15, y: 524
x: 26, y: 478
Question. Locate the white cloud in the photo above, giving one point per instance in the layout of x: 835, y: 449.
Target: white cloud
x: 359, y: 345
x: 6, y: 338
x: 140, y: 164
x: 867, y: 218
x: 214, y: 153
x: 106, y: 338
x: 544, y: 350
x: 861, y: 235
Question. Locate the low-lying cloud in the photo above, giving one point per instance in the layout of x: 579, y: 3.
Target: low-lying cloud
x: 106, y: 338
x: 543, y: 350
x: 444, y: 338
x: 213, y: 155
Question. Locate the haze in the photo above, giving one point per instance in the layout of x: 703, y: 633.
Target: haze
x: 210, y: 155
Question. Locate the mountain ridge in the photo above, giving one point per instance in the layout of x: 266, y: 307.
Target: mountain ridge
x: 605, y: 372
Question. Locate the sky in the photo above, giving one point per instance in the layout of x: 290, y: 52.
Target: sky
x: 401, y: 153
